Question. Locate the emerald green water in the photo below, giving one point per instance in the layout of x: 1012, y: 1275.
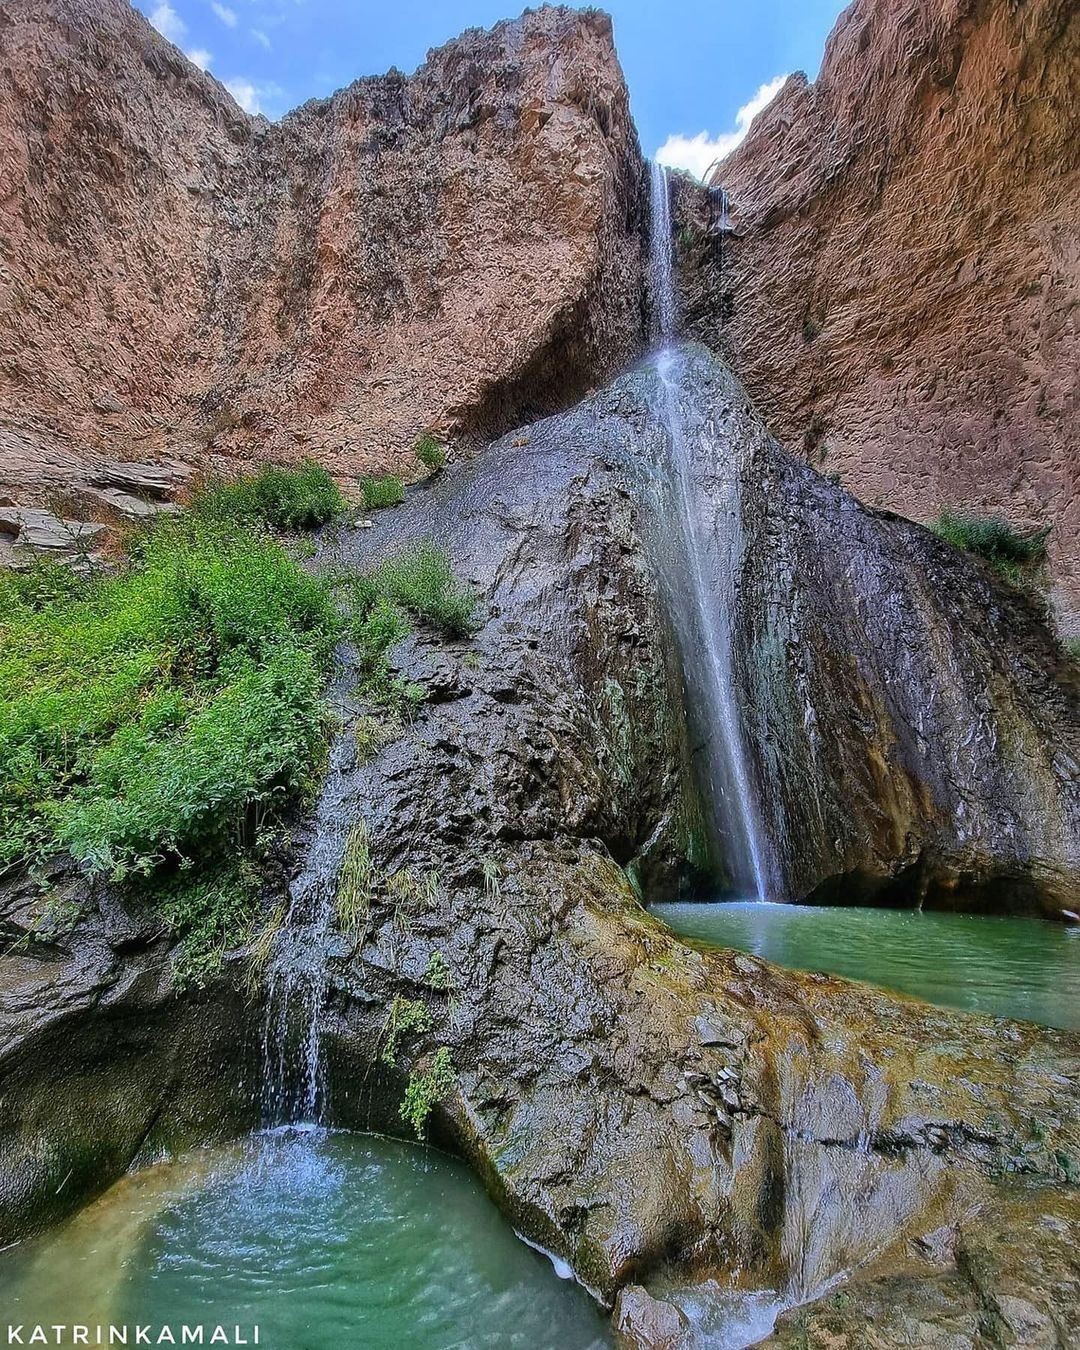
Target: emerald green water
x: 1022, y: 968
x: 325, y: 1240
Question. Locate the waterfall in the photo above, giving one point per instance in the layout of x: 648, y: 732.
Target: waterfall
x: 294, y: 1079
x: 700, y: 565
x: 661, y: 271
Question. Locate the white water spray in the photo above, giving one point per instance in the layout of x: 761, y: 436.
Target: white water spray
x: 702, y: 589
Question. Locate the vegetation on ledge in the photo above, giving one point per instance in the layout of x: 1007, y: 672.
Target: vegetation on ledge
x: 1009, y: 552
x: 157, y: 722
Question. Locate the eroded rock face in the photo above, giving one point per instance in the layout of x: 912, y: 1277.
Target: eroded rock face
x: 959, y: 1288
x: 104, y: 1064
x: 911, y: 727
x: 456, y: 251
x: 901, y: 291
x: 651, y: 1113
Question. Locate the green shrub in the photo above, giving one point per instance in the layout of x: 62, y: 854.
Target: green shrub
x: 1072, y: 649
x: 426, y: 1087
x: 430, y: 453
x: 437, y: 973
x: 285, y: 499
x: 407, y: 1017
x: 421, y: 581
x: 382, y: 491
x: 211, y: 914
x: 157, y: 715
x: 1007, y: 550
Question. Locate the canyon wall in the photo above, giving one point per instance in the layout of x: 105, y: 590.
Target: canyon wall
x: 900, y: 289
x: 455, y: 251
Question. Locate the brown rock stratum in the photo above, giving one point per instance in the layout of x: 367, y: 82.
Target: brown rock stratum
x: 456, y: 251
x: 905, y: 274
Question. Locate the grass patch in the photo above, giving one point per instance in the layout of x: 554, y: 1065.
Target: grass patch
x: 1009, y: 552
x: 284, y: 499
x: 425, y: 1089
x: 430, y: 452
x: 421, y: 582
x: 385, y: 490
x: 353, y: 896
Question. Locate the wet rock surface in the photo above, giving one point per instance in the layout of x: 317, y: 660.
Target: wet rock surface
x: 454, y: 251
x: 104, y: 1064
x: 699, y: 1124
x: 962, y: 1287
x: 899, y: 292
x: 651, y: 1113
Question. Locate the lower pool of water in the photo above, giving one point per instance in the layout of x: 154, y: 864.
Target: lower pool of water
x: 323, y: 1240
x: 1008, y: 967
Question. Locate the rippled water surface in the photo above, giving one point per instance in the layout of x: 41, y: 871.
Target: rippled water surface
x: 324, y: 1240
x: 1023, y: 968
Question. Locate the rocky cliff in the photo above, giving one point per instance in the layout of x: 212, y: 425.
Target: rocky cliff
x: 456, y: 251
x: 901, y: 288
x: 729, y: 1134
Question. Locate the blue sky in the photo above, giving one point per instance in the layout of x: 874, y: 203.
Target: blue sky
x: 697, y: 69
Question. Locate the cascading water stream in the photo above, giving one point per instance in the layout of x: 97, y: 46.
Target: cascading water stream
x: 702, y: 585
x: 294, y: 1081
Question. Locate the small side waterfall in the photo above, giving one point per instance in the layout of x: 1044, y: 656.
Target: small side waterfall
x: 702, y: 561
x: 294, y: 1079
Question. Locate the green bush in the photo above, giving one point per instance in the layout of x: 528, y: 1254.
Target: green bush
x: 992, y: 538
x: 422, y: 582
x: 430, y: 453
x: 212, y: 913
x: 383, y: 491
x: 425, y: 1088
x: 285, y: 499
x: 155, y: 716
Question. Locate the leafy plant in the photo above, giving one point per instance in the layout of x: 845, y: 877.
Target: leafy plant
x: 384, y: 490
x: 407, y: 1017
x: 1006, y: 549
x: 285, y: 499
x: 154, y: 721
x: 437, y: 973
x: 210, y: 914
x: 425, y: 1089
x: 430, y: 452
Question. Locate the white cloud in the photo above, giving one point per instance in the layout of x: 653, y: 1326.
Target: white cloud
x: 253, y: 97
x: 200, y: 57
x: 224, y: 13
x: 245, y: 93
x: 261, y: 38
x: 698, y: 153
x: 168, y: 23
